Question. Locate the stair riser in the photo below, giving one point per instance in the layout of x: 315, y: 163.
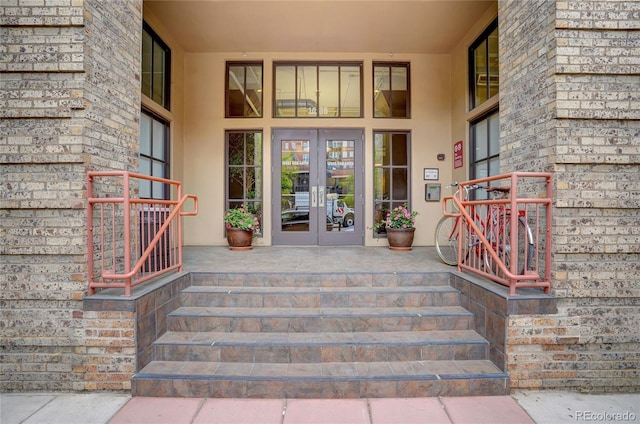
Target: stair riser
x: 319, y: 354
x: 330, y: 300
x: 268, y: 389
x: 318, y: 324
x: 322, y: 280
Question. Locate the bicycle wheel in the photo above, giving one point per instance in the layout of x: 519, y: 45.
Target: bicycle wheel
x: 446, y: 239
x: 503, y: 249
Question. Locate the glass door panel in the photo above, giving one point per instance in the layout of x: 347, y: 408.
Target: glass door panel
x: 318, y: 180
x: 341, y: 171
x: 294, y: 181
x: 295, y: 211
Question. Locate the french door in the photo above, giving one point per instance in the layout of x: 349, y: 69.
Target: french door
x: 317, y: 187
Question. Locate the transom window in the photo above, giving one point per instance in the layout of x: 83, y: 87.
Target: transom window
x: 244, y: 90
x: 156, y: 66
x: 154, y: 155
x: 317, y: 90
x: 390, y: 173
x: 244, y: 171
x: 391, y: 90
x: 484, y: 75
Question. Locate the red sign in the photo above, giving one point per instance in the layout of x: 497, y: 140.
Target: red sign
x: 458, y: 150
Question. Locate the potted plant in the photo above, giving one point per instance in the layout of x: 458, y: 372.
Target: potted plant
x: 241, y: 225
x: 399, y: 225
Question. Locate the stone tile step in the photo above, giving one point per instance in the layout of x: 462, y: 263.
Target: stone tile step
x: 313, y: 320
x: 326, y: 380
x: 319, y: 279
x: 313, y: 297
x: 321, y: 347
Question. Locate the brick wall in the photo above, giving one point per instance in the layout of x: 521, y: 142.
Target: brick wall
x: 570, y: 104
x: 69, y: 78
x: 108, y: 350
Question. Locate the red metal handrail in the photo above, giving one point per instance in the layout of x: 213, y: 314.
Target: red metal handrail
x: 479, y: 248
x: 132, y: 240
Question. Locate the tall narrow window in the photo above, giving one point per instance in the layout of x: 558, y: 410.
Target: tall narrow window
x: 244, y: 171
x: 154, y: 155
x: 390, y: 172
x: 485, y: 147
x: 156, y: 66
x: 244, y: 90
x: 391, y: 90
x: 484, y: 76
x: 317, y: 90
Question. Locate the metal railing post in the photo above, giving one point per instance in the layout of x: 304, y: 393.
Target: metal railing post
x: 90, y: 255
x: 513, y: 233
x: 548, y: 246
x: 127, y: 232
x: 179, y: 235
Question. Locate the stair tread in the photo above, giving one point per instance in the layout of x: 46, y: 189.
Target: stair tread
x: 244, y: 312
x: 213, y: 338
x: 336, y: 371
x: 317, y: 290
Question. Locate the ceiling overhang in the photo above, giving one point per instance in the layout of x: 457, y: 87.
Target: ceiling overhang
x: 349, y: 26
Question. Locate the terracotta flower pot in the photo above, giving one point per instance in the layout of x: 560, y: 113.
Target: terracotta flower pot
x: 400, y: 238
x: 239, y: 239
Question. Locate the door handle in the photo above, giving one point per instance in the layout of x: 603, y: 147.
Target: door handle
x: 321, y: 196
x: 314, y: 196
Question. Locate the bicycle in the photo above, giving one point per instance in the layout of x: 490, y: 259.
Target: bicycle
x: 496, y: 229
x: 447, y: 230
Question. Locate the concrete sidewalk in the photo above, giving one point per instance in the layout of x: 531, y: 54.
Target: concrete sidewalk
x: 521, y: 407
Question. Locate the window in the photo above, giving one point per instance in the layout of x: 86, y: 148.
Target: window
x: 485, y: 147
x: 244, y: 171
x: 154, y: 155
x: 156, y: 66
x: 243, y: 97
x: 484, y: 74
x: 390, y: 172
x: 391, y: 90
x: 317, y: 90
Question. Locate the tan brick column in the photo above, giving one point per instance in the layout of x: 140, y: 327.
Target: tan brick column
x: 570, y: 104
x: 70, y: 103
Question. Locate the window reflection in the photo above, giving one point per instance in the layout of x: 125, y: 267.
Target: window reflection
x: 391, y: 90
x: 244, y: 89
x: 244, y: 171
x: 485, y: 146
x: 318, y: 90
x: 154, y: 153
x: 294, y: 189
x: 484, y: 64
x: 156, y: 66
x: 391, y: 173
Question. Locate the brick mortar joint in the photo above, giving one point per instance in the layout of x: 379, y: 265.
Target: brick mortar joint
x: 593, y: 73
x: 47, y: 25
x: 592, y: 29
x: 595, y: 118
x: 36, y: 71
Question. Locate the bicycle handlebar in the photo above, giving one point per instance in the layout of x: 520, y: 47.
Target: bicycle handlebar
x: 487, y: 188
x: 469, y: 187
x: 497, y: 192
